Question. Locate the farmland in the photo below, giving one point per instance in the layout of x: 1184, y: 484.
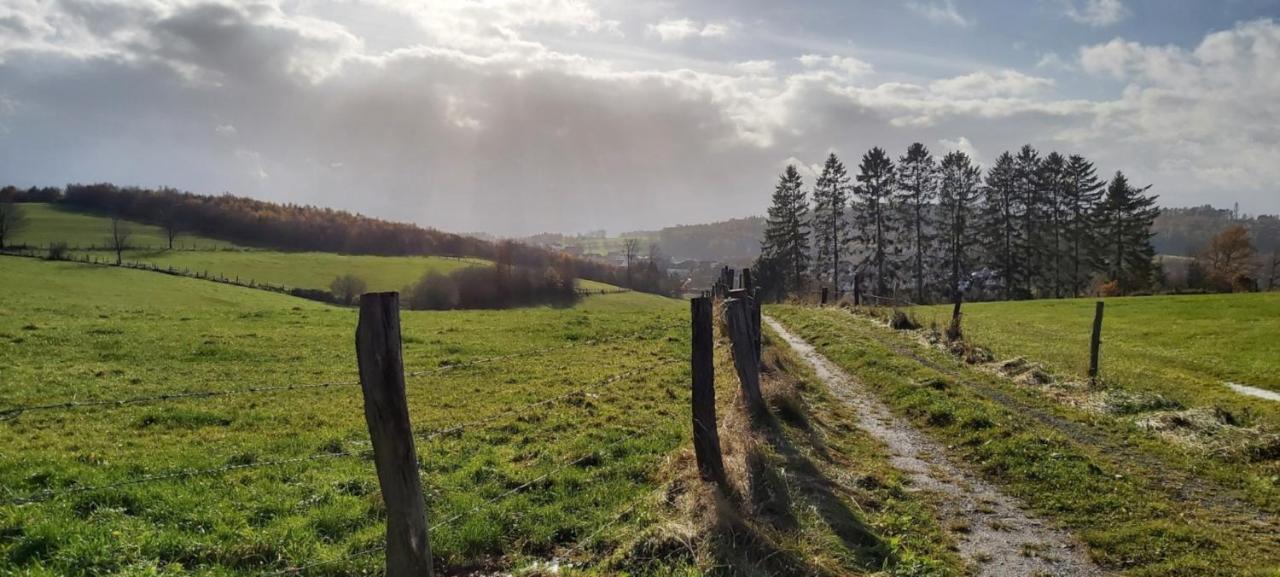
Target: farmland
x: 49, y: 224
x: 312, y: 270
x: 277, y: 479
x: 1183, y: 347
x: 76, y: 332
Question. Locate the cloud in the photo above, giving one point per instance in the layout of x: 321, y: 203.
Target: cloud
x: 940, y: 12
x: 482, y: 121
x: 961, y: 144
x: 684, y: 28
x: 1097, y: 13
x: 1052, y: 61
x: 985, y: 84
x: 846, y: 65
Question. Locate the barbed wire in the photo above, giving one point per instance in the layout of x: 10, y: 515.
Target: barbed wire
x: 486, y: 503
x: 16, y: 411
x: 188, y: 473
x: 50, y: 494
x: 428, y: 435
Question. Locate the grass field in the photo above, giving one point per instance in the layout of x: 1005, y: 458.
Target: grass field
x: 76, y: 332
x: 48, y: 224
x: 313, y: 270
x: 1140, y: 504
x: 1183, y: 347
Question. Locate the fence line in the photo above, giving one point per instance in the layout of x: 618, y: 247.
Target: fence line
x: 50, y: 494
x: 428, y: 435
x: 16, y: 411
x: 187, y: 473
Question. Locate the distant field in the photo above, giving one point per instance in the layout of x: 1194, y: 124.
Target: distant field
x: 1185, y: 346
x: 70, y: 331
x: 47, y: 224
x: 306, y: 269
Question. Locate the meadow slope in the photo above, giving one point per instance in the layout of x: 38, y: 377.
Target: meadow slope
x: 73, y: 332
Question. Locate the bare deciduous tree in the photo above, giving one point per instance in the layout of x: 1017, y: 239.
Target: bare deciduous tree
x: 119, y: 239
x: 631, y: 250
x: 13, y: 217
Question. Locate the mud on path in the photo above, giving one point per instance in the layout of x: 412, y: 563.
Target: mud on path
x: 992, y: 531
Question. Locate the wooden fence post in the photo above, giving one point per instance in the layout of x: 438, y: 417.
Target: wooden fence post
x: 824, y: 296
x: 387, y: 413
x: 706, y: 439
x: 1095, y: 342
x: 745, y: 360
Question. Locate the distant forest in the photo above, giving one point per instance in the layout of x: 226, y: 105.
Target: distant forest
x: 291, y: 227
x: 1029, y: 226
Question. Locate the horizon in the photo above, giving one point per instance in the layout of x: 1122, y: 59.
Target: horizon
x: 522, y: 117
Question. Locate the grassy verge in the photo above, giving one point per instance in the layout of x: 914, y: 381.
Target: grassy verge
x: 808, y: 494
x: 1128, y: 518
x: 75, y: 332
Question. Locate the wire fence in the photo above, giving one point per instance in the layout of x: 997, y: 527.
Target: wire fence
x: 516, y: 412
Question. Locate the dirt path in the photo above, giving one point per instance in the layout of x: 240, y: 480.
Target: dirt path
x: 993, y: 533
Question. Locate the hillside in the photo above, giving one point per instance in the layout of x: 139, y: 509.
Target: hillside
x: 78, y: 332
x: 47, y: 223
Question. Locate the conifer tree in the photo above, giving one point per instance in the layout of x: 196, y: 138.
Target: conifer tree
x: 873, y: 215
x: 1081, y: 192
x: 786, y: 235
x: 831, y: 221
x: 1123, y: 219
x: 1001, y: 224
x: 917, y: 188
x: 1052, y: 181
x: 959, y: 189
x: 1026, y: 170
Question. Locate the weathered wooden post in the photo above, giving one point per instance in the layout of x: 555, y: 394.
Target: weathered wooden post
x: 706, y: 439
x: 824, y: 296
x: 746, y: 282
x: 857, y: 290
x: 745, y: 361
x: 1095, y: 342
x: 387, y: 413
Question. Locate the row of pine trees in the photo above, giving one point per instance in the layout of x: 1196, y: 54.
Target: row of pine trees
x: 1031, y: 226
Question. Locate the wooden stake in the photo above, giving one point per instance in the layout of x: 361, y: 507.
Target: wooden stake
x: 745, y: 360
x: 1095, y: 342
x: 387, y: 413
x: 706, y: 439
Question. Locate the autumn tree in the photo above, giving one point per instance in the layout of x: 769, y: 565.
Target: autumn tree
x: 13, y: 217
x: 786, y: 235
x: 831, y: 220
x: 917, y: 189
x: 1230, y: 256
x: 959, y: 189
x: 873, y: 219
x: 1123, y: 219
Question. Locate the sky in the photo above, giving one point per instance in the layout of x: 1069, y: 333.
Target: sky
x: 521, y: 116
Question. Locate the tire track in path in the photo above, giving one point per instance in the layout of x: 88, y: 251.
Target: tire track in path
x: 993, y: 532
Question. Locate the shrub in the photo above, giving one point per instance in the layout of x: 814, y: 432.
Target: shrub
x: 903, y: 321
x: 497, y: 287
x: 321, y: 295
x: 347, y: 287
x: 57, y: 251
